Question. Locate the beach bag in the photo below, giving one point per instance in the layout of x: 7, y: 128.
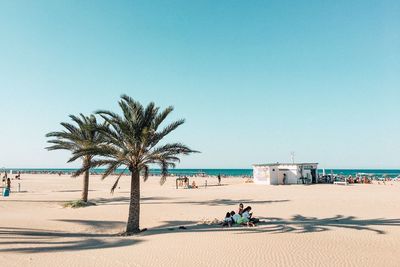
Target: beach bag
x: 6, y: 192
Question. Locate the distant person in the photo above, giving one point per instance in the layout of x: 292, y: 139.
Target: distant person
x: 284, y: 178
x: 219, y: 179
x: 8, y: 183
x: 194, y: 184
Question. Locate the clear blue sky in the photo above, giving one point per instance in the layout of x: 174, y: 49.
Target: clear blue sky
x: 255, y: 80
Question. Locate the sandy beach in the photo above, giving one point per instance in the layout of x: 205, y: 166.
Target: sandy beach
x: 314, y: 225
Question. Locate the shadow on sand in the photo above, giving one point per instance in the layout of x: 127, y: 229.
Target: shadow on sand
x: 34, y: 201
x: 27, y: 240
x: 70, y: 191
x: 297, y: 224
x: 38, y: 240
x: 169, y: 201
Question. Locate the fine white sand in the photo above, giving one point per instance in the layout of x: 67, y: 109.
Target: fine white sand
x: 329, y: 225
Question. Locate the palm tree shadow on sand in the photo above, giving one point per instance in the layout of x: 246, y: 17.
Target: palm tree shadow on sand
x: 302, y: 224
x: 120, y: 200
x: 297, y: 224
x: 27, y: 240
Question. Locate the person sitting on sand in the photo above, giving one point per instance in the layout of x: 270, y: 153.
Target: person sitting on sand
x: 245, y: 220
x: 350, y: 180
x: 240, y: 211
x: 246, y: 213
x: 194, y: 184
x: 235, y: 217
x: 228, y: 220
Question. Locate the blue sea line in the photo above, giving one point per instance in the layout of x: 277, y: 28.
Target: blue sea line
x: 215, y: 172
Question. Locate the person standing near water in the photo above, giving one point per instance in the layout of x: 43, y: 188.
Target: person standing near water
x: 219, y: 179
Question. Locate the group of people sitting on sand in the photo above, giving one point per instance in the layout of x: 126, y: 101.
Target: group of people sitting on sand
x: 244, y: 216
x: 358, y: 180
x: 184, y: 182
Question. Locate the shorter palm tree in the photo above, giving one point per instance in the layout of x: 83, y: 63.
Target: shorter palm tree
x: 74, y: 138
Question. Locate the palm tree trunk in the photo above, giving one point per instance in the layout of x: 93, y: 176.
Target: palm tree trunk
x: 85, y: 190
x: 132, y: 226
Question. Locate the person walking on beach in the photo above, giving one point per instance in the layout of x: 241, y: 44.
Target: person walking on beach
x: 284, y: 178
x: 219, y: 179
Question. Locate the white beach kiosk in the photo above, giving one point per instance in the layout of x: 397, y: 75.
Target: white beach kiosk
x: 292, y: 173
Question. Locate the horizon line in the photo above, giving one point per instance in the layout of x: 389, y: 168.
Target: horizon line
x: 208, y: 168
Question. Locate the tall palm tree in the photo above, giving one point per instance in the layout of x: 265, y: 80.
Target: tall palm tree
x: 74, y: 138
x: 133, y: 141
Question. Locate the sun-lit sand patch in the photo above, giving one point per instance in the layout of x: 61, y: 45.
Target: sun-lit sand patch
x: 356, y: 225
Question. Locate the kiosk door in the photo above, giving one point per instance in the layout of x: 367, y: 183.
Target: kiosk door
x: 314, y: 176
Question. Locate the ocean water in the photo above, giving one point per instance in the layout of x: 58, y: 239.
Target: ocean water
x: 224, y: 172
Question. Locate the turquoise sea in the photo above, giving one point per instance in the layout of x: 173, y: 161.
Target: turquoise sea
x: 223, y: 172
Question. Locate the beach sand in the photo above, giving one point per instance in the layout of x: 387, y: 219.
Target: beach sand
x: 316, y: 225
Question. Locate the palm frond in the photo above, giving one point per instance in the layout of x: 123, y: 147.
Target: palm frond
x: 164, y: 172
x: 161, y: 117
x: 158, y: 136
x: 75, y: 137
x: 85, y: 167
x: 111, y: 168
x: 146, y: 172
x: 117, y: 181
